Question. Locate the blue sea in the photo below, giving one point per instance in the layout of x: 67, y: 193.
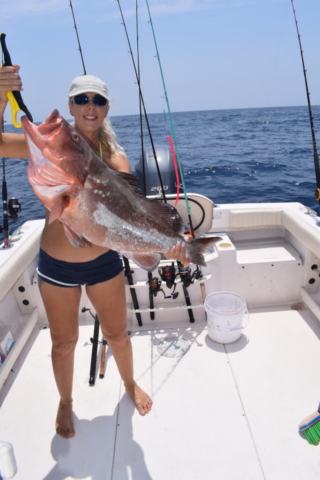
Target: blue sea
x: 231, y: 156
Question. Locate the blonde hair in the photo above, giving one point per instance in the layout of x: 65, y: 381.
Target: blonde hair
x: 106, y: 134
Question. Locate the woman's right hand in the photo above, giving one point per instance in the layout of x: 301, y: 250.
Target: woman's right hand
x: 12, y: 145
x: 9, y: 81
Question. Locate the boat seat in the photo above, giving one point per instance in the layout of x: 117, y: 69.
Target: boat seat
x: 304, y: 232
x: 201, y: 209
x: 16, y: 263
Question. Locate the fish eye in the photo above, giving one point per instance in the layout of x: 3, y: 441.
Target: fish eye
x: 75, y: 137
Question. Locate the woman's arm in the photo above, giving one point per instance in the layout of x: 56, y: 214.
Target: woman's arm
x: 12, y: 145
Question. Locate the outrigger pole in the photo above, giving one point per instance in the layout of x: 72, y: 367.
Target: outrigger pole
x: 315, y: 153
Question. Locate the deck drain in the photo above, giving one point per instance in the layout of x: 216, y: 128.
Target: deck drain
x: 44, y: 326
x: 297, y: 307
x: 173, y: 347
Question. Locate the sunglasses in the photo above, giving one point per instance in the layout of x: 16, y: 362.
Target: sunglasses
x: 84, y: 99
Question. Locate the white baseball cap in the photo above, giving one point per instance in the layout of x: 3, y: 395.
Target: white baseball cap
x: 88, y: 83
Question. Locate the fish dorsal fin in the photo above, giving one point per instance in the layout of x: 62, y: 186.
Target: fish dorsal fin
x: 169, y: 214
x: 132, y: 180
x: 74, y: 238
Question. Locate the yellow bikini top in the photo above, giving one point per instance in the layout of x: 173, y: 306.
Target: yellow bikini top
x: 100, y: 146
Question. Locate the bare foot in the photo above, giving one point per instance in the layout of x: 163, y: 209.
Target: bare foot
x: 140, y: 398
x: 64, y: 422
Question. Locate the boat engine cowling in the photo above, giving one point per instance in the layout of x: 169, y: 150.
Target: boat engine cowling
x: 152, y: 185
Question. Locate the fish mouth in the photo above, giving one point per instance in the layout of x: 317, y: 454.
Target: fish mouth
x: 36, y: 133
x: 52, y: 120
x: 48, y: 143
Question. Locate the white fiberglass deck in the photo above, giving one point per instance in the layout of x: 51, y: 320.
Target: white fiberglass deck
x: 220, y: 412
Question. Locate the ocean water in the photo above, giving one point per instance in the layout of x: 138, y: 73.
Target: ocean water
x: 231, y: 156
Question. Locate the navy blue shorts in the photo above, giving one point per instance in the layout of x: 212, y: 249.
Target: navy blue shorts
x: 69, y: 274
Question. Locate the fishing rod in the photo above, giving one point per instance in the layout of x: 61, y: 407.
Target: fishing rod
x: 13, y: 207
x: 150, y: 278
x: 140, y: 109
x: 5, y: 205
x: 142, y: 103
x: 180, y: 265
x: 5, y: 228
x: 185, y: 272
x: 171, y: 123
x: 315, y: 153
x: 153, y: 282
x: 80, y: 49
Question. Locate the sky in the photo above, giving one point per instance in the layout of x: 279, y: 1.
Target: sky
x: 215, y: 54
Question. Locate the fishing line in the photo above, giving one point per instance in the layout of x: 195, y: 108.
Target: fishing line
x: 171, y: 123
x: 75, y: 27
x: 142, y: 102
x: 176, y: 169
x: 275, y: 67
x: 315, y: 153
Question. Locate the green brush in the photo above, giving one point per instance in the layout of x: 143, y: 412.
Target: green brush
x: 310, y: 427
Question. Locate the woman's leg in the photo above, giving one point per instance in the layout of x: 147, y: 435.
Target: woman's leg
x: 62, y: 308
x: 109, y: 301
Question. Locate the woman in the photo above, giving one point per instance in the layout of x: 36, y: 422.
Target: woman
x: 63, y: 269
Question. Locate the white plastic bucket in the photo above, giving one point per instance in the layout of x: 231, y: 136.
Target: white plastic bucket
x: 227, y: 315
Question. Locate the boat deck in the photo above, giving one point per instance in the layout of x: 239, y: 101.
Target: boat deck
x: 220, y: 411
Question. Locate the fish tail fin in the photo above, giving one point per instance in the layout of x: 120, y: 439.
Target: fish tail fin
x: 198, y: 246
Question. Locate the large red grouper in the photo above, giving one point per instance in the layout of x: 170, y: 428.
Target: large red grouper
x: 99, y: 204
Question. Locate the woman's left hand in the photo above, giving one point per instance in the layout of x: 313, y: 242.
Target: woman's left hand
x: 178, y: 252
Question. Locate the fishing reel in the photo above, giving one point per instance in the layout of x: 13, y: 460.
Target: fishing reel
x: 155, y: 287
x: 14, y: 207
x: 186, y: 276
x: 168, y: 275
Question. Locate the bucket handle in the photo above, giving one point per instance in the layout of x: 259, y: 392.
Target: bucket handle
x: 246, y: 314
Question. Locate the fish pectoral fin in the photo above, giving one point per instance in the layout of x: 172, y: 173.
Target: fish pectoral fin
x: 58, y: 208
x: 74, y: 238
x: 147, y: 261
